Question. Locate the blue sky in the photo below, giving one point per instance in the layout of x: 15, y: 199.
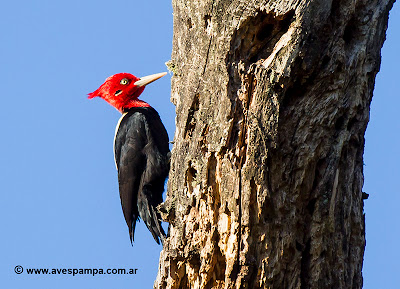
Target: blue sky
x: 382, y: 170
x: 59, y: 199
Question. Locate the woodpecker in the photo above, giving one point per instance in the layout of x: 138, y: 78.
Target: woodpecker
x: 141, y: 151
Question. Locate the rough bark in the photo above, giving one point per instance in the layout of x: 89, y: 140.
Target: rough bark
x: 272, y: 102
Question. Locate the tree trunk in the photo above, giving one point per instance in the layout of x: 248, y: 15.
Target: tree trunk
x: 272, y: 102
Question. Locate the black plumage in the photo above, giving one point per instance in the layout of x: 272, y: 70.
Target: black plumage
x: 142, y: 159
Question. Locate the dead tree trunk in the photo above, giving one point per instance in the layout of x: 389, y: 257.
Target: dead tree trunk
x: 272, y: 102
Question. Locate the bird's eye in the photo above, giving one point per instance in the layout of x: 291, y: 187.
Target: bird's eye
x: 124, y: 81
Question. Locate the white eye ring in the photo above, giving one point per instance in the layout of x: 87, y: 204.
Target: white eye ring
x: 124, y: 81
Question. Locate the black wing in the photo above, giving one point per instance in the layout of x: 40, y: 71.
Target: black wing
x: 141, y: 155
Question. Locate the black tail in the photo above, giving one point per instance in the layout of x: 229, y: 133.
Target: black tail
x: 147, y: 206
x: 132, y: 230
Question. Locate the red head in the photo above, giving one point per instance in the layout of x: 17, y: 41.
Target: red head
x: 123, y: 89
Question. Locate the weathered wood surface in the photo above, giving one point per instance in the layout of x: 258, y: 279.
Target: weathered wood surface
x: 272, y: 101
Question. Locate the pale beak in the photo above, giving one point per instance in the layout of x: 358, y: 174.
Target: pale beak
x: 149, y: 79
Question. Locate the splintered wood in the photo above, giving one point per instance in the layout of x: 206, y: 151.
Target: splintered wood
x: 272, y: 101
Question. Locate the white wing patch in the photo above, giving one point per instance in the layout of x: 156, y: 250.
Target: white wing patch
x: 115, y: 136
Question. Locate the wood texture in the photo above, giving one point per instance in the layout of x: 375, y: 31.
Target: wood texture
x: 272, y: 102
